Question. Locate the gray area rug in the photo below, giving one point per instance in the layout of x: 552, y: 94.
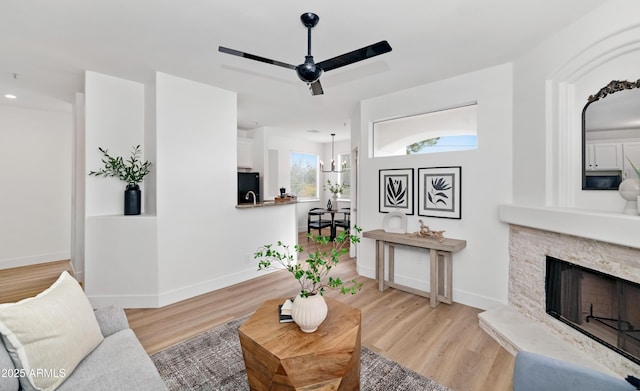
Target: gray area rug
x: 213, y: 361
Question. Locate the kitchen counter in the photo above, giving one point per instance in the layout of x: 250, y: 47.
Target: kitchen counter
x: 267, y: 203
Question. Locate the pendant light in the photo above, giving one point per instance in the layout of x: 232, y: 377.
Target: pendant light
x: 333, y: 160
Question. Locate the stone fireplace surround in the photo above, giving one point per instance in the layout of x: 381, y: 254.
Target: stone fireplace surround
x: 536, y: 233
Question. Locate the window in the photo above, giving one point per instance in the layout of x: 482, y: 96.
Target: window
x: 344, y: 162
x: 304, y: 175
x: 439, y: 131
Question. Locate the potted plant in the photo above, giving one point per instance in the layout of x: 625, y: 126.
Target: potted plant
x: 335, y: 189
x: 131, y: 171
x: 309, y: 308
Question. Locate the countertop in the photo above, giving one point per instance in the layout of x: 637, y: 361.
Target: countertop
x: 267, y: 203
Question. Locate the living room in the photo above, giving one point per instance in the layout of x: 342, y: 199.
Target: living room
x: 525, y: 172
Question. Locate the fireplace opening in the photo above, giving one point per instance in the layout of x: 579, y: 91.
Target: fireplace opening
x: 598, y: 305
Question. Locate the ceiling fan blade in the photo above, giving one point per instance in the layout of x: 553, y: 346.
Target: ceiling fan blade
x: 238, y: 53
x: 355, y: 56
x: 316, y: 88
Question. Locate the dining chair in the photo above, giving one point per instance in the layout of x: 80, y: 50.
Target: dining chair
x: 315, y: 221
x: 344, y: 223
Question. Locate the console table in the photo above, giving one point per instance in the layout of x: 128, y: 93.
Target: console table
x: 440, y: 259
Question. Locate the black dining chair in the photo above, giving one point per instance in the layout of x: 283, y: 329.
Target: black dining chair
x: 344, y: 223
x: 315, y: 220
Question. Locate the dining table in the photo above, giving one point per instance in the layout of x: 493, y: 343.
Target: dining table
x: 332, y: 212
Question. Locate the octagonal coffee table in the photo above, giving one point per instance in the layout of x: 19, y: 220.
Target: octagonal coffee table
x: 279, y: 356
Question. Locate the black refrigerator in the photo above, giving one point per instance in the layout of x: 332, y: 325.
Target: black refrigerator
x: 248, y: 181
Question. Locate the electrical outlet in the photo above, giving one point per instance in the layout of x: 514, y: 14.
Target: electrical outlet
x: 248, y: 259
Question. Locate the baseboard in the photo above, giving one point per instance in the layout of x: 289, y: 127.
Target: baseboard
x: 366, y: 271
x: 174, y: 295
x: 187, y: 292
x: 475, y: 300
x: 370, y: 272
x: 459, y: 296
x: 124, y: 301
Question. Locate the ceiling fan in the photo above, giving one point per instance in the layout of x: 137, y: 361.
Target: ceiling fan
x: 309, y: 72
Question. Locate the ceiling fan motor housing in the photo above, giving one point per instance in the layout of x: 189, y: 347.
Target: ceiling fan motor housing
x: 309, y: 19
x: 308, y: 72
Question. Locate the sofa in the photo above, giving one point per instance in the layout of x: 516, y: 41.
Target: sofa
x: 537, y: 372
x: 110, y: 356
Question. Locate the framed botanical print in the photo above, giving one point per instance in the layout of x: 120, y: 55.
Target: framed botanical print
x: 439, y: 192
x: 396, y: 190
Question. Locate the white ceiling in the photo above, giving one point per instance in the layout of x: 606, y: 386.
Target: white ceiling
x: 49, y: 44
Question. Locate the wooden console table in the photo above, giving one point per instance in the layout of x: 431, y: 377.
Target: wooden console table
x: 440, y: 258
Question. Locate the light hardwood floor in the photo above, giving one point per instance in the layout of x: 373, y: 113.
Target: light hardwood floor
x: 444, y: 343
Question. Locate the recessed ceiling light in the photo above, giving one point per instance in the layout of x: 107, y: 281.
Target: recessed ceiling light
x: 10, y: 96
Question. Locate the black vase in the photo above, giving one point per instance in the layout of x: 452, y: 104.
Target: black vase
x: 132, y: 200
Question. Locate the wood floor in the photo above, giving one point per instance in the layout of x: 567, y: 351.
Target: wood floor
x: 444, y: 343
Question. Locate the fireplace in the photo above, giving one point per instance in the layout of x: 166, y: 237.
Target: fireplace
x: 601, y: 306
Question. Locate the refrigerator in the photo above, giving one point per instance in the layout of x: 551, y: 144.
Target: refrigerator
x: 248, y: 181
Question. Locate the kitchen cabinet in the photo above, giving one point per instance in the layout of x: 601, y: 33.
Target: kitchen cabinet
x: 603, y: 156
x: 245, y: 153
x: 631, y: 152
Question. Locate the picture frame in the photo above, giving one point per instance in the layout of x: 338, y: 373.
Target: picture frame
x: 396, y: 190
x: 439, y: 192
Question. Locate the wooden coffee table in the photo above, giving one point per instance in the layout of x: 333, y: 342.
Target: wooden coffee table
x: 279, y: 356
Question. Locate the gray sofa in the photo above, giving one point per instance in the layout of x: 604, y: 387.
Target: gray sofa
x: 119, y: 362
x: 536, y: 372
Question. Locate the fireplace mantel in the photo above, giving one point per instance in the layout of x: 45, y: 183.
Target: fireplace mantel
x: 605, y: 242
x: 609, y: 227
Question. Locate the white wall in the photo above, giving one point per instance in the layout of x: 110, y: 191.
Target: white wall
x: 35, y: 195
x: 120, y: 260
x: 624, y: 67
x: 551, y: 86
x: 204, y: 242
x: 78, y: 179
x: 197, y: 241
x: 196, y: 136
x: 114, y: 119
x: 480, y: 271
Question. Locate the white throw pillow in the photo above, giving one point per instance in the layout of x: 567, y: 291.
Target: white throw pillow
x: 49, y: 334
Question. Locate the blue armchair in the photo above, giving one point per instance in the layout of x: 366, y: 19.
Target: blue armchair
x: 535, y: 372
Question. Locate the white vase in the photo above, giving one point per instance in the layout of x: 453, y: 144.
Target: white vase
x: 629, y: 189
x: 309, y: 312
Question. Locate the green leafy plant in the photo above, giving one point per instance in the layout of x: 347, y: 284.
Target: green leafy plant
x: 418, y: 146
x: 335, y: 188
x: 313, y: 273
x: 634, y: 167
x: 132, y: 171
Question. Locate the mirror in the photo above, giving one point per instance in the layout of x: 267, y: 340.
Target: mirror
x: 610, y: 135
